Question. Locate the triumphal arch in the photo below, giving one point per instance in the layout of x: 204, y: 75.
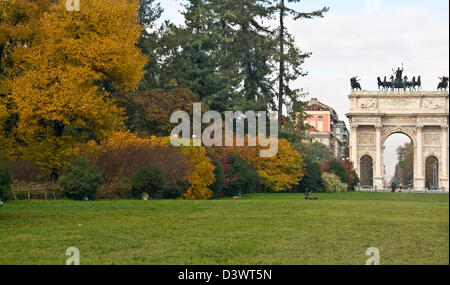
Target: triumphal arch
x: 421, y: 115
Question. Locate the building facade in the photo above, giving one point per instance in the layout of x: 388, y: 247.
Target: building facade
x: 326, y: 128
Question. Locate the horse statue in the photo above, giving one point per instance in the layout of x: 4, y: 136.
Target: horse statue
x: 381, y: 84
x: 354, y: 81
x: 443, y: 85
x: 408, y: 84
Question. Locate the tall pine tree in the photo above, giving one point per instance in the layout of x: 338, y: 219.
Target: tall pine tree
x: 290, y: 58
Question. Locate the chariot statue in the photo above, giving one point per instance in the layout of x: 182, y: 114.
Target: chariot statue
x: 399, y: 82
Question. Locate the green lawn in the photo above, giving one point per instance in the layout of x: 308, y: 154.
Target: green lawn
x: 259, y: 229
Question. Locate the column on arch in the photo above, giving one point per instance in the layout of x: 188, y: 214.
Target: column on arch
x: 378, y: 179
x: 354, y: 146
x: 419, y: 176
x: 444, y: 162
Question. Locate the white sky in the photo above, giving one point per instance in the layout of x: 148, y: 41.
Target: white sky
x: 365, y: 38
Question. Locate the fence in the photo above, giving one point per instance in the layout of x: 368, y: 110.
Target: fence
x: 47, y: 190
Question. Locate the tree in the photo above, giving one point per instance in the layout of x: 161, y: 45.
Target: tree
x: 148, y: 180
x: 352, y: 177
x: 223, y: 54
x: 289, y: 56
x: 404, y: 170
x: 149, y: 13
x: 194, y: 57
x: 279, y: 173
x: 18, y: 24
x: 336, y: 167
x: 240, y: 177
x: 314, y: 151
x: 313, y: 177
x: 154, y: 108
x: 218, y: 185
x: 80, y: 179
x: 5, y: 181
x: 62, y: 96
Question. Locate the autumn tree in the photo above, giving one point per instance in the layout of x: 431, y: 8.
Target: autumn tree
x: 69, y: 72
x: 279, y: 173
x: 155, y: 106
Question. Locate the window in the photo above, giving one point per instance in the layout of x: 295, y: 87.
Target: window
x: 320, y: 118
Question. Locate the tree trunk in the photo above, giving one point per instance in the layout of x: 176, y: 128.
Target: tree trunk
x: 281, y: 77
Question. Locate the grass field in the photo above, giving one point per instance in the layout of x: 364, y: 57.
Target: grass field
x: 260, y: 229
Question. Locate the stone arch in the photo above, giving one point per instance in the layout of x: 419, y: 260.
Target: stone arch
x: 408, y: 113
x: 432, y: 165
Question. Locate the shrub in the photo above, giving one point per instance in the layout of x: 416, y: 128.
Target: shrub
x: 123, y: 154
x: 148, y: 180
x: 240, y: 177
x: 5, y: 181
x: 332, y: 184
x: 26, y: 171
x: 114, y: 190
x: 217, y: 186
x: 312, y: 179
x: 175, y: 190
x: 80, y: 179
x: 336, y: 167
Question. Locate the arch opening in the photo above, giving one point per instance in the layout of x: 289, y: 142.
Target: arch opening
x: 366, y: 164
x: 398, y: 161
x: 432, y: 173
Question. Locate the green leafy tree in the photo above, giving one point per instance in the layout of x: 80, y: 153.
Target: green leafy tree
x: 313, y: 177
x: 314, y: 151
x: 336, y: 167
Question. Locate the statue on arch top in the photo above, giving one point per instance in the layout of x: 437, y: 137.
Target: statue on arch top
x: 354, y: 81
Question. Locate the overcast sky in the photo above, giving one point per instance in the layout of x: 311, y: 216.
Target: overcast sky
x: 365, y: 38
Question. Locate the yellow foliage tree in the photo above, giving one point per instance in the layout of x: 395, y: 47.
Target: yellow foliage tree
x: 76, y: 60
x: 202, y: 176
